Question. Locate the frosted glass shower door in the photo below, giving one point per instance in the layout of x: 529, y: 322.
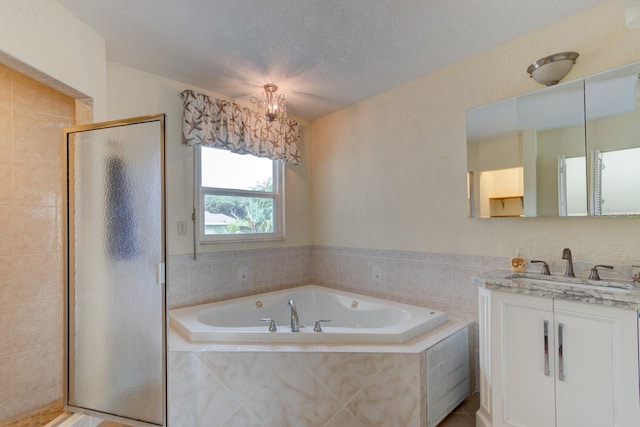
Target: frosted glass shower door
x: 115, y: 355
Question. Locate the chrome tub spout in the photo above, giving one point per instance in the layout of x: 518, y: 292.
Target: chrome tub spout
x: 295, y: 324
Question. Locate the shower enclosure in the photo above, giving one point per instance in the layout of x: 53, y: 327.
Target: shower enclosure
x: 115, y: 302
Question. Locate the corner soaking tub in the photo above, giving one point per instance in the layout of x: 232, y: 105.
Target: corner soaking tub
x: 353, y: 318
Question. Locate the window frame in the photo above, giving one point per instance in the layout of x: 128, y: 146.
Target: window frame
x: 277, y: 195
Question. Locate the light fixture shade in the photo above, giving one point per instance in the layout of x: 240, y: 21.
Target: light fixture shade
x: 553, y: 68
x: 272, y: 106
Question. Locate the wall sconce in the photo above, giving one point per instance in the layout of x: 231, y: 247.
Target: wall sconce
x: 553, y: 68
x: 272, y: 106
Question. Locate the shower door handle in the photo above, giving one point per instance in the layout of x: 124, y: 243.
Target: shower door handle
x: 160, y: 273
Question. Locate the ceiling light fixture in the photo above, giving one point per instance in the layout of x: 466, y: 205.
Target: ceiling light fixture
x: 553, y: 68
x: 272, y: 106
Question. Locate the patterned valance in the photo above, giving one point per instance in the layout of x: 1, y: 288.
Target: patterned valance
x: 223, y: 124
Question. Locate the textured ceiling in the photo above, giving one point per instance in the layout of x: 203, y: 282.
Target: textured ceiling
x: 324, y: 54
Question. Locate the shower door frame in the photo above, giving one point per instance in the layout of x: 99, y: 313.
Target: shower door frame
x: 69, y: 259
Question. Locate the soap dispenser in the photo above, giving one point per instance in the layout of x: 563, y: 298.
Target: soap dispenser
x: 518, y: 263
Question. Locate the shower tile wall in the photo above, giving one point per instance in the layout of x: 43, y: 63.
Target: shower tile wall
x: 32, y: 116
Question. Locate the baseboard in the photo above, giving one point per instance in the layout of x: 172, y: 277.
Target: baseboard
x: 482, y: 420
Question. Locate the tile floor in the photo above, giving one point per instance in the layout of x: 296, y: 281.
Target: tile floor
x: 38, y: 419
x: 465, y: 414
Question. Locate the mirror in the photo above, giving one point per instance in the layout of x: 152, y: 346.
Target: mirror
x: 525, y: 155
x: 613, y: 140
x: 567, y: 150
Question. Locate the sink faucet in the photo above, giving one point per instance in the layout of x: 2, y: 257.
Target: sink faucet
x: 566, y: 254
x: 295, y: 324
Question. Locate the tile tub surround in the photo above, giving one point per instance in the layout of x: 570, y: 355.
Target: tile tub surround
x: 291, y: 385
x: 440, y: 281
x: 292, y: 389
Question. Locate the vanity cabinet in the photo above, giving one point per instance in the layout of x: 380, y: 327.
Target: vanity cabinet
x: 551, y: 362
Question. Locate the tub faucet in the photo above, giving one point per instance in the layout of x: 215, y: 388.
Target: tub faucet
x: 566, y: 254
x: 295, y: 324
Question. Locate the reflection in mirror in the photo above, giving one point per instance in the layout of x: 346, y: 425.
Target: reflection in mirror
x: 524, y: 153
x: 492, y: 149
x: 613, y: 140
x: 551, y: 127
x: 572, y: 185
x: 616, y: 182
x: 534, y: 155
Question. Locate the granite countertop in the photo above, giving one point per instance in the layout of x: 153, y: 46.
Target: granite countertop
x: 623, y: 294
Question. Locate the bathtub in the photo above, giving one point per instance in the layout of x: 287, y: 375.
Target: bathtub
x: 353, y: 318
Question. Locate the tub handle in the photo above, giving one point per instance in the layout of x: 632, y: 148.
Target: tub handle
x: 272, y: 324
x: 317, y: 327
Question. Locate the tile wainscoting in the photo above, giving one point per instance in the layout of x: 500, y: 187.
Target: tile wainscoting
x: 436, y: 280
x: 219, y: 276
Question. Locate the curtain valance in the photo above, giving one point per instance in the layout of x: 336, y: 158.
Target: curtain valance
x: 223, y: 124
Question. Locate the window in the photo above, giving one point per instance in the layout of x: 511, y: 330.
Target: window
x: 572, y: 186
x: 240, y: 196
x: 616, y: 182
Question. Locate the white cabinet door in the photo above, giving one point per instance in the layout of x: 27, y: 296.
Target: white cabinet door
x: 557, y: 363
x: 597, y: 375
x: 522, y: 366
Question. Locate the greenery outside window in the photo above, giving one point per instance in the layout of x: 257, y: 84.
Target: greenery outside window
x: 240, y: 196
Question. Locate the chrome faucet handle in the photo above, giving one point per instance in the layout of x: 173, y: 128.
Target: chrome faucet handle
x: 545, y: 267
x: 317, y: 327
x: 272, y: 324
x: 594, y: 271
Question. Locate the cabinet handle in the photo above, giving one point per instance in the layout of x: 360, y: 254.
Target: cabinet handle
x: 546, y: 348
x: 560, y: 352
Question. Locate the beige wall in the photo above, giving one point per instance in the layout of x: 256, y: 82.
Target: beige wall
x: 389, y: 172
x: 32, y: 117
x: 46, y: 37
x: 134, y: 93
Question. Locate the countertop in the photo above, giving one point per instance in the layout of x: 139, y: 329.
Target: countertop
x: 578, y: 289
